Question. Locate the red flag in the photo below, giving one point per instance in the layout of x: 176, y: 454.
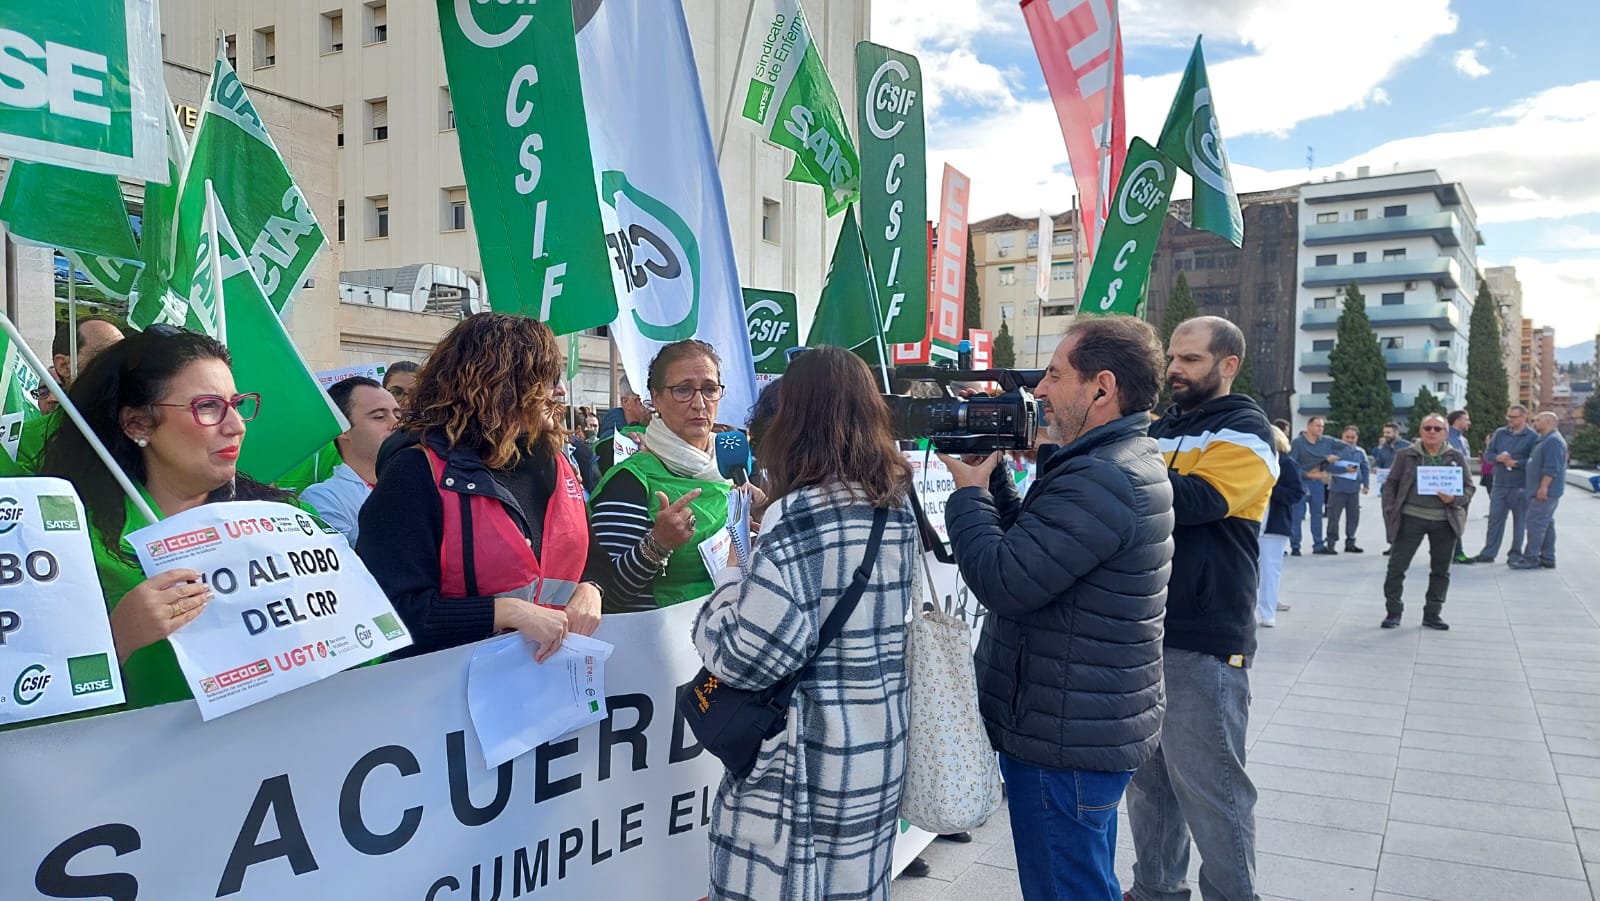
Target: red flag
x: 950, y: 264
x: 1079, y: 43
x: 918, y: 353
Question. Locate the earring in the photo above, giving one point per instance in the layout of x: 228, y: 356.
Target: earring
x: 142, y: 442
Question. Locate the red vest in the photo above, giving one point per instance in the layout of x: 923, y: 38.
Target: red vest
x: 484, y: 553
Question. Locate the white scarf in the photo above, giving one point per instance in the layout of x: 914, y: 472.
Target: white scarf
x: 681, y: 458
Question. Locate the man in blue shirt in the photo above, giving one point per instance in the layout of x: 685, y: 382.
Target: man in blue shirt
x: 1547, y: 481
x: 1392, y: 443
x: 1351, y: 479
x: 1313, y: 452
x: 373, y: 413
x: 1508, y: 448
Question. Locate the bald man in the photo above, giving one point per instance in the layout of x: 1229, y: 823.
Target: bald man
x: 1547, y: 481
x: 94, y: 335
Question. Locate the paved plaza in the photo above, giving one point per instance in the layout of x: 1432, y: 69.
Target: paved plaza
x: 1405, y: 763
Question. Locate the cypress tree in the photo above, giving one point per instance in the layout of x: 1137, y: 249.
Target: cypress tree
x: 1360, y: 393
x: 1487, y: 384
x: 1424, y: 405
x: 1180, y: 306
x: 1005, y: 350
x: 972, y: 312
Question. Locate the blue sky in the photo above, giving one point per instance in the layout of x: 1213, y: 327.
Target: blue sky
x: 1502, y: 97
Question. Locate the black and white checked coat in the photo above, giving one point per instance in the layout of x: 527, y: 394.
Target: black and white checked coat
x: 816, y: 818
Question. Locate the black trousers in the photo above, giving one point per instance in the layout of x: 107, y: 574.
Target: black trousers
x: 1441, y: 548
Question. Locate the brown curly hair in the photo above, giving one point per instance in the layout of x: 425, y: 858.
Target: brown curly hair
x: 487, y: 387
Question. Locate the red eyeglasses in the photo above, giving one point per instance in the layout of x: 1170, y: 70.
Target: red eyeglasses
x: 211, y: 409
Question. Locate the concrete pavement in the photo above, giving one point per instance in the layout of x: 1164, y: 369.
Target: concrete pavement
x: 1405, y: 764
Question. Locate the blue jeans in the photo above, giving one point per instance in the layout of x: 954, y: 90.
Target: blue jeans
x: 1195, y: 787
x: 1064, y: 824
x: 1542, y: 529
x: 1316, y: 494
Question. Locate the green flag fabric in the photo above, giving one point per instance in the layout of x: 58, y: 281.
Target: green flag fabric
x: 1193, y: 140
x: 254, y: 188
x: 79, y: 213
x: 1121, y: 271
x: 296, y: 417
x: 772, y: 318
x: 153, y: 299
x: 19, y: 412
x: 789, y: 100
x: 894, y: 180
x: 845, y: 311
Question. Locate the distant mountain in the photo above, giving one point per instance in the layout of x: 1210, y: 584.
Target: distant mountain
x: 1577, y: 353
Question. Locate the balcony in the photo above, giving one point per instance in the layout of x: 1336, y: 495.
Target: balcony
x: 1400, y: 403
x: 1443, y: 316
x: 1442, y: 271
x: 1408, y: 358
x: 1444, y: 228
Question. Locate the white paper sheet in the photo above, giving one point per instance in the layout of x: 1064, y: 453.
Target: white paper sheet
x: 517, y: 705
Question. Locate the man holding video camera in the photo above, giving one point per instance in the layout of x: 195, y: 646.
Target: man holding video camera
x: 1075, y: 581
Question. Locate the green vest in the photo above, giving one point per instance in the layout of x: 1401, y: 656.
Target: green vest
x: 150, y: 675
x: 686, y: 577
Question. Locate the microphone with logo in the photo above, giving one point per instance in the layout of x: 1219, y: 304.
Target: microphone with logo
x: 733, y: 461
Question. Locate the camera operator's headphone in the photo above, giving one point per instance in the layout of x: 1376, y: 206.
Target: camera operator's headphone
x: 1098, y: 394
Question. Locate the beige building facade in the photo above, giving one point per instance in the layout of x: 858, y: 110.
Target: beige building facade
x: 1006, y: 250
x: 1506, y: 290
x: 405, y: 257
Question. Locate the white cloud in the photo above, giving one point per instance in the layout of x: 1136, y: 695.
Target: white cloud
x: 1467, y: 62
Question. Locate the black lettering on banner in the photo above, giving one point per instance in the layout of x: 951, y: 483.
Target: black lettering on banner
x: 354, y: 827
x: 53, y: 881
x: 445, y: 882
x: 571, y: 844
x: 40, y: 566
x: 259, y: 574
x: 468, y: 814
x: 277, y: 798
x: 597, y: 855
x: 543, y: 788
x: 631, y: 825
x: 537, y: 876
x: 680, y: 752
x: 10, y: 621
x: 705, y: 806
x: 477, y: 881
x: 223, y: 580
x: 634, y: 735
x: 679, y: 812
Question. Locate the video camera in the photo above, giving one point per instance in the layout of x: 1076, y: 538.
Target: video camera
x: 967, y: 425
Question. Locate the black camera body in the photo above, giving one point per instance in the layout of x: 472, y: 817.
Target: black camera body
x: 967, y: 425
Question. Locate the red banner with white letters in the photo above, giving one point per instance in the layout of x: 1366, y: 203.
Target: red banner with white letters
x: 918, y: 353
x: 950, y: 265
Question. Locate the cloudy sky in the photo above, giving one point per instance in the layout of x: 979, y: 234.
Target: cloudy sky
x: 1502, y: 97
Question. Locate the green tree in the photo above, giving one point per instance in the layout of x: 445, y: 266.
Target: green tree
x: 1585, y: 445
x: 1487, y: 385
x: 1360, y: 393
x: 1591, y: 410
x: 1424, y: 405
x: 972, y: 314
x: 1245, y: 382
x: 1180, y: 306
x: 1005, y: 350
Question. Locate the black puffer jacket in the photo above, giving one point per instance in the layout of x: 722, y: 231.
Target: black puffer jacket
x: 1075, y: 580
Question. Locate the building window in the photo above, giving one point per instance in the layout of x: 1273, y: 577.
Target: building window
x: 266, y: 48
x: 1444, y: 343
x: 1269, y: 253
x: 1441, y: 387
x: 377, y: 22
x: 1059, y: 309
x: 1322, y: 345
x: 1060, y: 272
x: 1325, y: 303
x: 1395, y: 253
x: 341, y: 221
x: 1008, y: 312
x: 231, y: 50
x: 1393, y: 298
x: 1393, y: 342
x: 379, y: 207
x: 1325, y: 218
x: 447, y: 111
x: 770, y: 211
x: 1059, y: 238
x: 1008, y: 275
x: 454, y: 209
x: 1033, y: 240
x: 1393, y: 212
x: 338, y: 124
x: 1321, y: 387
x: 1360, y: 215
x: 1394, y: 386
x: 1359, y: 256
x: 333, y: 31
x: 378, y: 117
x: 1327, y: 259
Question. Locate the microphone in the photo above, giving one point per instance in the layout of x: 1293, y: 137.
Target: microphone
x: 733, y: 456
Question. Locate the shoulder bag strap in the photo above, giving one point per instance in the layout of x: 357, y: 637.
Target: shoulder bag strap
x: 834, y: 624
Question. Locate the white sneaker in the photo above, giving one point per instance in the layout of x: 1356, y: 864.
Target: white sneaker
x: 1268, y: 624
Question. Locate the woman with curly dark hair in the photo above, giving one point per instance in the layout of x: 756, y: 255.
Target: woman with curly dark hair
x: 163, y: 402
x: 477, y: 524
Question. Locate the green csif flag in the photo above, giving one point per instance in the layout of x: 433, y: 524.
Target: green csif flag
x: 789, y: 100
x: 845, y: 310
x: 1193, y: 140
x: 772, y: 318
x: 1121, y: 269
x: 296, y: 417
x: 19, y: 412
x: 254, y: 188
x: 154, y: 300
x: 80, y: 213
x: 894, y: 180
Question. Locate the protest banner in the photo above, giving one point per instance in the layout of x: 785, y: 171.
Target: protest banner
x: 292, y: 603
x: 917, y: 353
x: 1041, y: 275
x: 772, y: 317
x: 950, y: 265
x: 1079, y: 44
x: 1433, y: 480
x: 513, y: 71
x: 789, y: 100
x: 661, y: 198
x: 56, y: 653
x: 1193, y: 139
x: 82, y: 86
x: 894, y: 178
x: 1119, y: 277
x: 372, y: 371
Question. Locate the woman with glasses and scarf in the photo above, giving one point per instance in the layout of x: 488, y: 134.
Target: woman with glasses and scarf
x: 1411, y: 515
x: 164, y: 403
x: 653, y: 511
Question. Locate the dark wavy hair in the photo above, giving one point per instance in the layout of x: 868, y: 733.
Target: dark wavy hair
x: 832, y: 426
x: 132, y: 374
x: 486, y: 386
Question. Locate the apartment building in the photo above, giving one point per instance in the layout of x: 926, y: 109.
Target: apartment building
x: 1006, y: 251
x: 1409, y: 242
x: 1529, y: 377
x: 1506, y: 290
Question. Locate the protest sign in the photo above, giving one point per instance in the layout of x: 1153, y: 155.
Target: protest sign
x: 894, y: 178
x: 56, y: 654
x: 513, y: 72
x: 946, y: 305
x: 1433, y: 480
x: 82, y: 86
x: 292, y: 603
x: 374, y: 371
x: 518, y: 704
x: 773, y: 319
x: 932, y: 481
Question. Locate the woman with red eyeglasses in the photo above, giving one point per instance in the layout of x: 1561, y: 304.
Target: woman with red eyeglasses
x: 164, y: 403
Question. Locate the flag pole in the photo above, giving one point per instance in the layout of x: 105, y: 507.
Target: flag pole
x: 1102, y: 184
x: 221, y: 311
x: 877, y: 312
x: 77, y: 419
x: 733, y: 89
x: 72, y: 315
